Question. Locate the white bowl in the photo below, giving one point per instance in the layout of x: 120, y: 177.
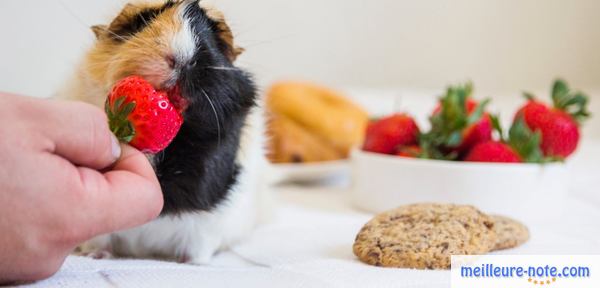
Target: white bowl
x: 523, y: 191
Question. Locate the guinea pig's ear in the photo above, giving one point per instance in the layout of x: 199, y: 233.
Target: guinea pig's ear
x: 99, y: 30
x: 232, y: 51
x: 224, y: 32
x: 125, y: 17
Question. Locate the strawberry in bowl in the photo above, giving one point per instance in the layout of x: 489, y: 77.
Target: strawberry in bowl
x: 458, y: 123
x: 558, y: 125
x: 389, y: 134
x: 466, y: 156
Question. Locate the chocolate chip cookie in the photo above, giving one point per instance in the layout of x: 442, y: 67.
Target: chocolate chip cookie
x: 510, y: 233
x: 424, y: 236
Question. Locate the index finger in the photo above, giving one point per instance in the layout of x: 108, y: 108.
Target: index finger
x: 78, y: 131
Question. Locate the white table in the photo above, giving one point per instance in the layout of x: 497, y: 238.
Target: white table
x: 309, y: 244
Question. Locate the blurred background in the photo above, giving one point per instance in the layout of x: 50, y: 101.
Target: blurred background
x: 504, y: 46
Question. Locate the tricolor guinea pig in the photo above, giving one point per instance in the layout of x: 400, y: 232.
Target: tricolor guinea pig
x: 208, y: 173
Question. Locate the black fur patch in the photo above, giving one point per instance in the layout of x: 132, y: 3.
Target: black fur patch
x: 123, y: 31
x: 198, y: 169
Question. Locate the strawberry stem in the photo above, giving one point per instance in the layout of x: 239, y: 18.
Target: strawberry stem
x: 529, y: 96
x: 495, y: 119
x: 118, y: 121
x: 573, y: 103
x: 525, y: 142
x: 448, y: 124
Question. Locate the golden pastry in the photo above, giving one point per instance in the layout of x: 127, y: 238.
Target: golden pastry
x: 325, y: 113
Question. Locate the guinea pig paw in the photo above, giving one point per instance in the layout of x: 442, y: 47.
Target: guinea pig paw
x: 98, y: 254
x: 199, y: 259
x: 101, y: 254
x: 91, y: 252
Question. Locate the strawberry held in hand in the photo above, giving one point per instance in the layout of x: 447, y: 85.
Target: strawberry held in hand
x: 559, y: 126
x: 388, y: 134
x: 140, y: 115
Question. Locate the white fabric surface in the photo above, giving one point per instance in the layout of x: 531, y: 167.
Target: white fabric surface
x: 309, y: 244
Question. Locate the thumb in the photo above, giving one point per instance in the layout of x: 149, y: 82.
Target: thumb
x: 126, y: 196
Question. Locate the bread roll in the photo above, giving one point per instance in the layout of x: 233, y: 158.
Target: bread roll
x: 291, y: 143
x: 321, y: 111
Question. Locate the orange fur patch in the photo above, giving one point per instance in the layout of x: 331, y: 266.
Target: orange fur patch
x: 224, y: 30
x: 143, y: 54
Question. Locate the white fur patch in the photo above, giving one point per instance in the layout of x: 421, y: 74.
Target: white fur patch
x: 195, y: 237
x: 183, y: 43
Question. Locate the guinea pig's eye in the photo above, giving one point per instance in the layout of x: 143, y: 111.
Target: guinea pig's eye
x: 137, y: 23
x: 171, y: 61
x: 126, y: 26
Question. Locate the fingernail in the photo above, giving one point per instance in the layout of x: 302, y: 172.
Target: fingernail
x: 116, y: 146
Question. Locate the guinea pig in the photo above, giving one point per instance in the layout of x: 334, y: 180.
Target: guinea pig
x: 208, y: 174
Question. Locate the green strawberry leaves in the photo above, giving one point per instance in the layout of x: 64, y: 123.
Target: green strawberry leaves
x: 525, y: 142
x: 573, y: 103
x: 495, y: 119
x: 521, y: 139
x: 448, y: 124
x: 117, y: 118
x: 478, y: 112
x: 529, y: 96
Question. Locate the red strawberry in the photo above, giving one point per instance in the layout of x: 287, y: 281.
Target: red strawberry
x: 388, y: 134
x: 457, y: 124
x: 559, y: 125
x: 412, y: 151
x: 522, y: 145
x: 493, y: 151
x: 478, y: 132
x: 142, y: 116
x: 534, y: 113
x: 560, y: 134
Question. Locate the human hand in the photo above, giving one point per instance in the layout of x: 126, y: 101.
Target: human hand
x: 63, y: 180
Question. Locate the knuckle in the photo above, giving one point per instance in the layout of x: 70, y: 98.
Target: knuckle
x: 99, y: 133
x: 97, y: 116
x: 97, y: 123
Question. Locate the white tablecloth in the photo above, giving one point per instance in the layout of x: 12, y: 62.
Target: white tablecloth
x: 309, y: 244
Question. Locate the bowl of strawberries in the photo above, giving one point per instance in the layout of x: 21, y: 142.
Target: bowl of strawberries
x: 466, y: 157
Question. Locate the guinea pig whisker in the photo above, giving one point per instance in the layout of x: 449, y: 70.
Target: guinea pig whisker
x: 144, y: 20
x: 129, y: 37
x: 216, y: 116
x: 114, y: 34
x: 84, y: 24
x: 143, y: 42
x: 222, y: 68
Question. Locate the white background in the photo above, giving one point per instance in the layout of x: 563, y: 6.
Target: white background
x: 505, y: 46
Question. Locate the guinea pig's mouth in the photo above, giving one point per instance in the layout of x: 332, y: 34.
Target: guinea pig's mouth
x: 177, y: 99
